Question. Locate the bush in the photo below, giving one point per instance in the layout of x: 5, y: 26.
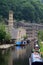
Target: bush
x: 3, y: 34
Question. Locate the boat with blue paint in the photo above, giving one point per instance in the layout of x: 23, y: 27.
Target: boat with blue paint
x: 18, y: 43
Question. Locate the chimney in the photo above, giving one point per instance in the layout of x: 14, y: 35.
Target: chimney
x: 10, y: 21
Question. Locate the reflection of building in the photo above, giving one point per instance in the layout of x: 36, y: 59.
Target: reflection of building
x: 16, y: 33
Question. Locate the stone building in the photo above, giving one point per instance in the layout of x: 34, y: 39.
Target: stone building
x: 31, y: 28
x: 16, y: 33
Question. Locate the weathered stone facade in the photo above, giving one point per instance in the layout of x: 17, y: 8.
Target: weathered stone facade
x: 31, y: 28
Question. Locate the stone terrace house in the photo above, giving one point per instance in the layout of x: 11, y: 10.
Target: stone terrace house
x: 31, y: 28
x: 16, y: 33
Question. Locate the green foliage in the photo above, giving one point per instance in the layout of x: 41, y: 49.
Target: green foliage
x: 3, y: 34
x: 40, y: 35
x: 7, y: 37
x: 25, y: 37
x: 30, y: 10
x: 1, y: 19
x: 40, y: 40
x: 41, y: 47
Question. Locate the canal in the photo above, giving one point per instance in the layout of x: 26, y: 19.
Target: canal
x: 21, y: 55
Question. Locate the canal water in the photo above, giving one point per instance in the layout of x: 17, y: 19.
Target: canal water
x: 21, y: 55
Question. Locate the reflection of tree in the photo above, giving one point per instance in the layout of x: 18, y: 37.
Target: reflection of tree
x: 4, y: 57
x: 28, y: 51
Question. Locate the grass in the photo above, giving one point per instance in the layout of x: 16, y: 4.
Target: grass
x: 41, y: 49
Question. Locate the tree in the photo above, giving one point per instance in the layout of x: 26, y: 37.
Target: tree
x: 40, y: 40
x: 3, y: 34
x: 40, y: 35
x: 30, y: 10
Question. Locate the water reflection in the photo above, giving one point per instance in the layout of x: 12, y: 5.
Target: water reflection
x: 20, y: 51
x: 20, y: 47
x: 21, y: 55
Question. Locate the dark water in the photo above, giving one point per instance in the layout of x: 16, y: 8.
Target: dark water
x: 21, y: 55
x: 20, y: 61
